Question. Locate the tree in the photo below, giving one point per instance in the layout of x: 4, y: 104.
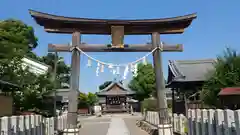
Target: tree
x: 63, y: 70
x: 16, y: 39
x: 87, y: 100
x: 34, y: 90
x: 226, y: 74
x: 33, y: 56
x: 82, y: 100
x: 104, y: 85
x: 91, y: 99
x: 144, y: 83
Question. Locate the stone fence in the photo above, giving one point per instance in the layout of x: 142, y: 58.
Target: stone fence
x: 203, y: 122
x: 31, y: 125
x: 214, y: 122
x: 178, y: 125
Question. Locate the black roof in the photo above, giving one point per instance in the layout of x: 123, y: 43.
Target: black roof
x: 109, y: 91
x: 7, y: 86
x: 189, y: 70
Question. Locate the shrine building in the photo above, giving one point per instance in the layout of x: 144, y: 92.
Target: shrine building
x: 116, y: 98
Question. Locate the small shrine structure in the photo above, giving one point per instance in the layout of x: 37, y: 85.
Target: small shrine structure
x: 229, y: 97
x: 188, y: 76
x: 115, y: 98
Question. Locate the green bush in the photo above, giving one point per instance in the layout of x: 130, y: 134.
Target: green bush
x: 149, y: 105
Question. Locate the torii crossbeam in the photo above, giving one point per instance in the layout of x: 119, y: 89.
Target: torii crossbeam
x: 116, y: 28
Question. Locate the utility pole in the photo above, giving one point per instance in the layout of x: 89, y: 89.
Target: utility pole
x: 54, y: 75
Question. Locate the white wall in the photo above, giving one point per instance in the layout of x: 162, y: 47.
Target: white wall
x: 35, y: 67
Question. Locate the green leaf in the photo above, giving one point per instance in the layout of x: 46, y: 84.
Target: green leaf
x: 226, y: 74
x: 144, y: 83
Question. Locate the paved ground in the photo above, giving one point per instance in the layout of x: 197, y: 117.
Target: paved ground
x: 94, y: 126
x: 133, y: 129
x: 117, y: 124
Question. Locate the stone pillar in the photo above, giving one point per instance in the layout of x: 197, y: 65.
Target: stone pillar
x: 237, y: 121
x: 204, y: 121
x: 219, y: 117
x: 211, y: 114
x: 74, y: 87
x: 228, y: 121
x: 190, y: 122
x: 198, y: 121
x: 164, y: 119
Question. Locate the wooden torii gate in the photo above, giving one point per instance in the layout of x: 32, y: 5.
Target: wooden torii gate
x: 116, y: 28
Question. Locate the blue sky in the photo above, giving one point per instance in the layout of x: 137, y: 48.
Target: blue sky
x: 216, y: 27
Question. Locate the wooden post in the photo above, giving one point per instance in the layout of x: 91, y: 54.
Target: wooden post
x: 160, y: 82
x: 173, y: 105
x: 55, y: 92
x: 74, y: 84
x: 173, y: 99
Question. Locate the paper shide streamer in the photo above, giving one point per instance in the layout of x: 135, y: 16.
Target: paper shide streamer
x: 116, y: 68
x: 125, y: 72
x: 89, y: 64
x: 97, y: 70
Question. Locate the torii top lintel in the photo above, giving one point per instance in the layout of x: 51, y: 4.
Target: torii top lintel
x: 61, y: 24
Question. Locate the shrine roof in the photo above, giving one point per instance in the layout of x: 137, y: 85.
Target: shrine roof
x: 4, y: 83
x: 189, y: 70
x: 119, y: 90
x: 229, y: 91
x: 62, y: 24
x: 7, y: 86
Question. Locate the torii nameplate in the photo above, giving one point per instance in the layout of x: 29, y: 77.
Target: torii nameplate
x: 117, y: 33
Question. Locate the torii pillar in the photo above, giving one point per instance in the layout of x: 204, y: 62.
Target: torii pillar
x: 160, y: 82
x: 74, y: 83
x: 165, y: 126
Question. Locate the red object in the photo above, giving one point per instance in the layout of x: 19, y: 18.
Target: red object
x: 229, y: 91
x: 83, y: 111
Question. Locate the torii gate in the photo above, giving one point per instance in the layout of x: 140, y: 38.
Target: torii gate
x: 116, y: 28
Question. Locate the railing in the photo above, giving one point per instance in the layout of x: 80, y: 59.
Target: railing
x: 31, y: 125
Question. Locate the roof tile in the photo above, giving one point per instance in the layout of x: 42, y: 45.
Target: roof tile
x: 109, y: 91
x: 190, y: 70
